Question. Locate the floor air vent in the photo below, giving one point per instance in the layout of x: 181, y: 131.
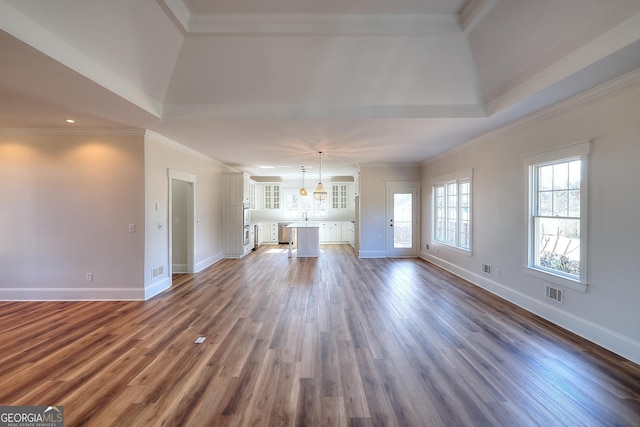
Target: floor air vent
x: 554, y: 294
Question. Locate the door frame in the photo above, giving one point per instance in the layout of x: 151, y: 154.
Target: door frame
x: 392, y: 187
x: 190, y: 220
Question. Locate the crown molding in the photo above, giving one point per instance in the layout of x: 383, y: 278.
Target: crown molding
x: 66, y: 131
x: 473, y: 11
x: 601, y: 90
x: 176, y: 145
x: 314, y: 24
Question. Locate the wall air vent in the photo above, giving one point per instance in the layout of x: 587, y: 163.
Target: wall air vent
x: 486, y: 268
x: 554, y: 294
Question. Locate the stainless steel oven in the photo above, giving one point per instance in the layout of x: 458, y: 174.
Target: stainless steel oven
x: 246, y: 211
x: 247, y: 235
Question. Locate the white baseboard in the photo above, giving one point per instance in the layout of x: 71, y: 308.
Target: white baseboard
x: 72, y: 294
x: 611, y: 340
x: 155, y: 288
x: 372, y: 254
x: 208, y: 262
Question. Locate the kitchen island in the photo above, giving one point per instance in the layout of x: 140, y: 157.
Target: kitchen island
x: 307, y: 235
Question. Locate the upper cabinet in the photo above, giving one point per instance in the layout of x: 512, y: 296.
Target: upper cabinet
x: 252, y: 195
x: 268, y: 195
x: 235, y: 188
x: 342, y: 194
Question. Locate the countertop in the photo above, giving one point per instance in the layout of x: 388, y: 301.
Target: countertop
x: 304, y: 224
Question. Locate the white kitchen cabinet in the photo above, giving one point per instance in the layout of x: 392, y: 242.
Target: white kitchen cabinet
x: 252, y: 194
x: 235, y: 192
x: 345, y: 231
x: 235, y: 188
x: 267, y: 196
x: 331, y: 232
x: 351, y: 233
x: 272, y: 193
x: 269, y: 232
x: 342, y: 196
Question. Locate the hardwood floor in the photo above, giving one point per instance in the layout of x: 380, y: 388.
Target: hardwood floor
x: 330, y: 341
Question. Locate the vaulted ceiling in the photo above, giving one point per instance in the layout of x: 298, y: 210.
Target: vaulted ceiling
x: 253, y: 83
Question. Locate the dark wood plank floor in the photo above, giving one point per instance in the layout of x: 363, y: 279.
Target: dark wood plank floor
x: 330, y: 341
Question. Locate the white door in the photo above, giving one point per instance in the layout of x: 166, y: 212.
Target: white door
x: 402, y: 219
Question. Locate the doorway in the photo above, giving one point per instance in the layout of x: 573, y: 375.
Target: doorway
x: 402, y: 216
x: 181, y: 222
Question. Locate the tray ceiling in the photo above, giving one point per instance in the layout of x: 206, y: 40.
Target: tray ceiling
x: 254, y: 83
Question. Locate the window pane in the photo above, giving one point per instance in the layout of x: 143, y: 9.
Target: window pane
x: 464, y: 201
x: 545, y: 178
x: 452, y: 189
x: 452, y: 213
x: 574, y: 203
x: 402, y: 220
x: 560, y: 176
x: 545, y: 203
x: 574, y: 174
x: 464, y: 234
x: 560, y: 203
x: 464, y: 187
x: 557, y: 245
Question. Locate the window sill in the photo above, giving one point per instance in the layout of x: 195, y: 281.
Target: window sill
x: 556, y: 279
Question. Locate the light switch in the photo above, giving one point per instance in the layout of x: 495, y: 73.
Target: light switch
x: 132, y: 228
x: 157, y: 206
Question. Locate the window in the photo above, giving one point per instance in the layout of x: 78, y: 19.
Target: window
x: 296, y: 205
x: 557, y: 224
x: 452, y: 210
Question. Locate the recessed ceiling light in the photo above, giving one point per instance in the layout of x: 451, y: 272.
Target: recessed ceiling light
x: 69, y: 120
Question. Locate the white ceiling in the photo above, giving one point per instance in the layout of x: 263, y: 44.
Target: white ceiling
x: 253, y: 83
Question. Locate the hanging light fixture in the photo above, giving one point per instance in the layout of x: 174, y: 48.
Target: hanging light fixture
x: 303, y: 191
x: 320, y: 193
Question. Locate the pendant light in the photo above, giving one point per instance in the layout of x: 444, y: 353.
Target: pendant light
x: 320, y: 193
x: 303, y: 191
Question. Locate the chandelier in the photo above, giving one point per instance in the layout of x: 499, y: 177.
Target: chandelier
x: 303, y: 191
x: 320, y: 193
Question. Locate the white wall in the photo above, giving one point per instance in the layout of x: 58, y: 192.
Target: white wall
x: 161, y: 155
x: 607, y: 313
x: 373, y: 227
x: 66, y: 205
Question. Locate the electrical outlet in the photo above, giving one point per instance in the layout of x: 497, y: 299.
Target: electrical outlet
x: 427, y: 246
x: 89, y: 277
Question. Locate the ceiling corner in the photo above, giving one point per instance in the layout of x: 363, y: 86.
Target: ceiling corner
x: 180, y: 12
x: 472, y: 13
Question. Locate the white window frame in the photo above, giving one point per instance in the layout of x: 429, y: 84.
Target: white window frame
x: 457, y: 178
x: 579, y: 151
